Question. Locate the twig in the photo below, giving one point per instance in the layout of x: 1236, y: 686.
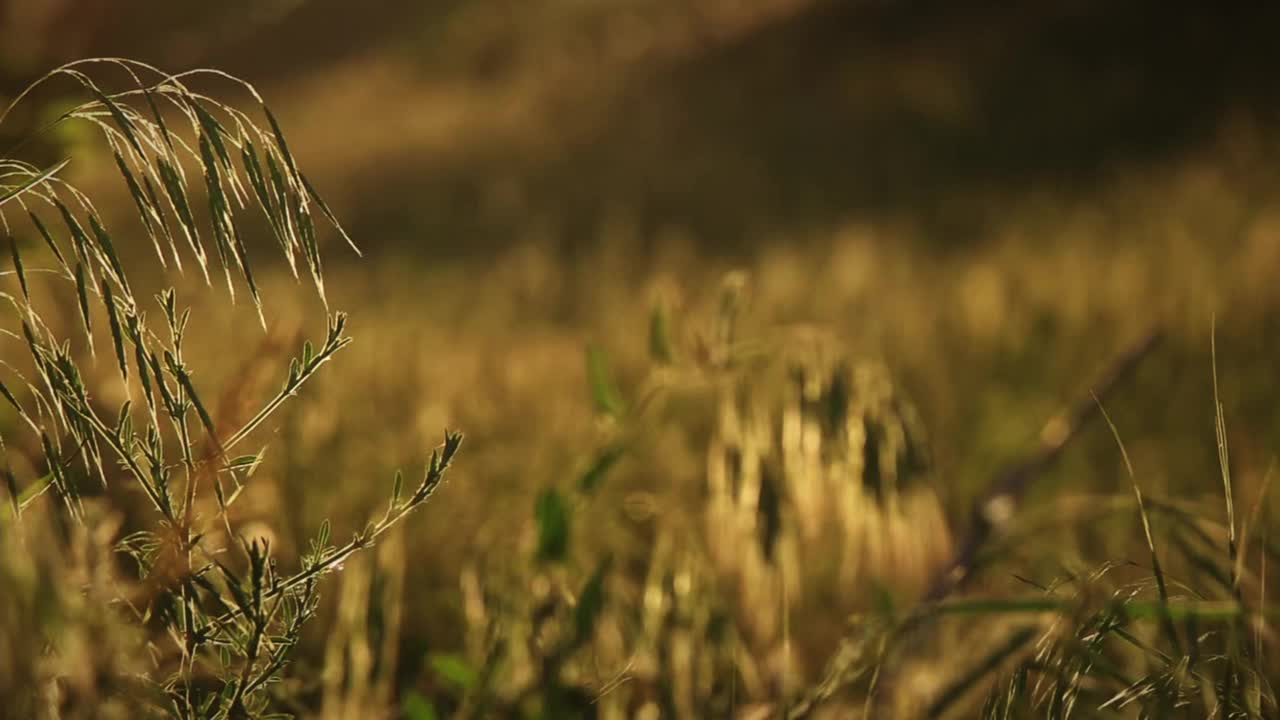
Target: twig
x: 993, y: 509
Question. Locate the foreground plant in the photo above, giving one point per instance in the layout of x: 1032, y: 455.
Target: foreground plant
x: 222, y: 615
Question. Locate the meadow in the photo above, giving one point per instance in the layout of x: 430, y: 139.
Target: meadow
x: 1001, y: 453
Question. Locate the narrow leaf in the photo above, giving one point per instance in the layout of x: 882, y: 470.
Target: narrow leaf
x: 145, y: 211
x: 604, y: 393
x: 595, y: 474
x: 48, y: 239
x: 17, y: 268
x: 328, y: 214
x: 117, y: 337
x: 455, y: 669
x: 660, y: 345
x: 552, y: 514
x: 108, y: 248
x: 82, y: 292
x: 590, y: 603
x: 16, y: 191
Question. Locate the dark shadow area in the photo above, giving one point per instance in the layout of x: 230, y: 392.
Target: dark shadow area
x: 938, y: 112
x: 911, y: 108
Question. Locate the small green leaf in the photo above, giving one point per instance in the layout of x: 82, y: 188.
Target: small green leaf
x: 661, y: 349
x: 109, y: 249
x: 11, y: 484
x: 168, y: 299
x: 17, y: 267
x: 452, y: 441
x: 170, y: 404
x: 9, y: 396
x: 455, y: 669
x: 81, y: 240
x: 158, y: 117
x: 397, y: 486
x: 117, y: 336
x: 281, y: 144
x: 172, y: 183
x: 306, y: 228
x: 220, y: 495
x: 140, y: 360
x: 552, y: 513
x: 123, y: 417
x: 190, y: 389
x: 161, y: 219
x: 278, y: 187
x: 604, y: 462
x: 214, y: 130
x: 238, y: 593
x: 245, y: 462
x: 48, y: 239
x: 54, y: 459
x: 416, y: 707
x: 82, y: 294
x: 605, y: 394
x: 884, y: 601
x: 328, y: 214
x: 140, y: 201
x: 218, y: 206
x: 273, y: 213
x: 117, y: 113
x: 590, y: 603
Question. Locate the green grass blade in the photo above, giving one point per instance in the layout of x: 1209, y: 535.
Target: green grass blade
x: 80, y: 240
x: 173, y: 187
x: 82, y: 294
x: 48, y: 239
x: 146, y: 212
x: 1224, y: 457
x: 328, y: 214
x: 109, y: 249
x: 605, y: 394
x: 184, y: 379
x: 113, y: 321
x: 17, y: 268
x: 1170, y: 631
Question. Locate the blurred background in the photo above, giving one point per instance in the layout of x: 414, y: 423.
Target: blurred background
x: 978, y: 204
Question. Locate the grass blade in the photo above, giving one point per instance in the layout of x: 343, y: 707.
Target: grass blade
x: 1161, y: 585
x: 117, y: 337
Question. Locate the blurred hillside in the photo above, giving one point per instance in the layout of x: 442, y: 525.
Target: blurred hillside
x: 727, y: 120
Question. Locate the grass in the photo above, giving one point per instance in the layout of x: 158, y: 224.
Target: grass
x: 692, y: 491
x: 220, y: 617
